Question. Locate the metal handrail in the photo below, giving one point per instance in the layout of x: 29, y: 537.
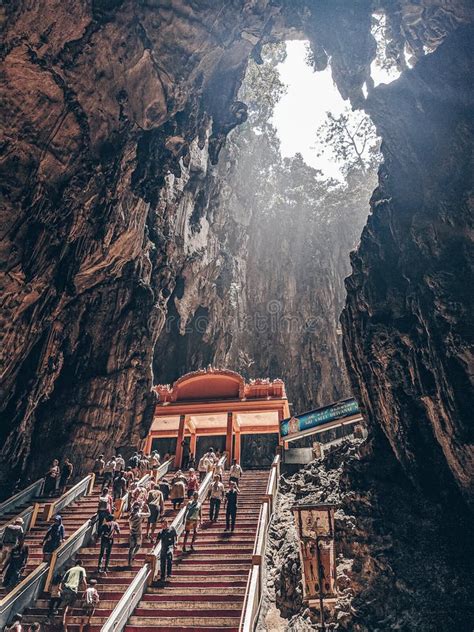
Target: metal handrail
x: 21, y: 497
x: 254, y: 590
x: 23, y: 594
x: 81, y: 537
x: 83, y: 488
x: 128, y: 602
x: 131, y: 597
x: 26, y: 515
x: 39, y: 580
x: 251, y: 606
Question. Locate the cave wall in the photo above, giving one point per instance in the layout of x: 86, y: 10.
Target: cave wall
x: 106, y: 105
x: 408, y: 317
x: 101, y: 103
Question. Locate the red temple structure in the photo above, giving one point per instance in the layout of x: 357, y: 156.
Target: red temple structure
x: 213, y: 402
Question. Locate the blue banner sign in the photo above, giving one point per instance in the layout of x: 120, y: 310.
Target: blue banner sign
x: 318, y: 417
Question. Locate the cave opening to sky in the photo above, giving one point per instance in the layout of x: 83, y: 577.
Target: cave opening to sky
x: 309, y: 96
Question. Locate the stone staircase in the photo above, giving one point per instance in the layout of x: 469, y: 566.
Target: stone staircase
x: 206, y: 592
x: 73, y: 516
x: 111, y: 586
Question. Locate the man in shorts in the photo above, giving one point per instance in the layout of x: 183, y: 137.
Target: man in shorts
x: 73, y: 580
x: 156, y: 505
x: 90, y: 602
x: 192, y: 519
x: 235, y: 473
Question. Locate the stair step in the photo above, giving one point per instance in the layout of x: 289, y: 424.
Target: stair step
x: 177, y: 621
x: 139, y: 628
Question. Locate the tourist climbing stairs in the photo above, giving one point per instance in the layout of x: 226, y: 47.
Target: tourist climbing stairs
x: 206, y: 592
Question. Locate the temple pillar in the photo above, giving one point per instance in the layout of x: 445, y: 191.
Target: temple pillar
x: 179, y: 448
x: 228, y: 439
x: 280, y: 419
x: 192, y: 444
x: 237, y: 446
x: 148, y: 444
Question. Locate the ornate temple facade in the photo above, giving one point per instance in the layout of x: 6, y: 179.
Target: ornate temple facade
x: 218, y: 407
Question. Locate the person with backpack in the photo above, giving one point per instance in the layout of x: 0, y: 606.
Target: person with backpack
x: 53, y: 538
x: 109, y: 471
x: 90, y: 601
x: 104, y: 507
x: 107, y: 534
x: 168, y: 538
x: 178, y: 491
x: 119, y: 463
x: 72, y: 581
x: 15, y: 564
x: 133, y: 462
x: 11, y: 536
x: 156, y: 505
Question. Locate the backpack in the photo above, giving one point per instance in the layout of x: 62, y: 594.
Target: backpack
x: 11, y: 535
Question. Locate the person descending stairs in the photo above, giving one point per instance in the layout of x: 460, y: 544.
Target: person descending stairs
x: 207, y: 588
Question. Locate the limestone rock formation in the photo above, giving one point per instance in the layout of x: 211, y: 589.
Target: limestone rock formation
x: 408, y: 317
x: 397, y: 567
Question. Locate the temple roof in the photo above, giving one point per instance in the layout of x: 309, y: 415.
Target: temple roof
x: 218, y: 384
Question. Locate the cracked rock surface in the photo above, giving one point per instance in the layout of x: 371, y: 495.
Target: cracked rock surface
x: 398, y: 568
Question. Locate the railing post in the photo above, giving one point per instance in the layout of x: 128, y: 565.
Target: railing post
x: 91, y: 484
x: 34, y: 515
x: 48, y: 512
x: 52, y: 565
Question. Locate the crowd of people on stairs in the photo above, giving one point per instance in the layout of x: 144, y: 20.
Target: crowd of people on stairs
x: 145, y: 501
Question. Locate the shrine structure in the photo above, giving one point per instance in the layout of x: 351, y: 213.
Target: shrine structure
x: 215, y: 402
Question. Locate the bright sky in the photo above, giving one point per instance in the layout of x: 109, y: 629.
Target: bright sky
x: 303, y: 108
